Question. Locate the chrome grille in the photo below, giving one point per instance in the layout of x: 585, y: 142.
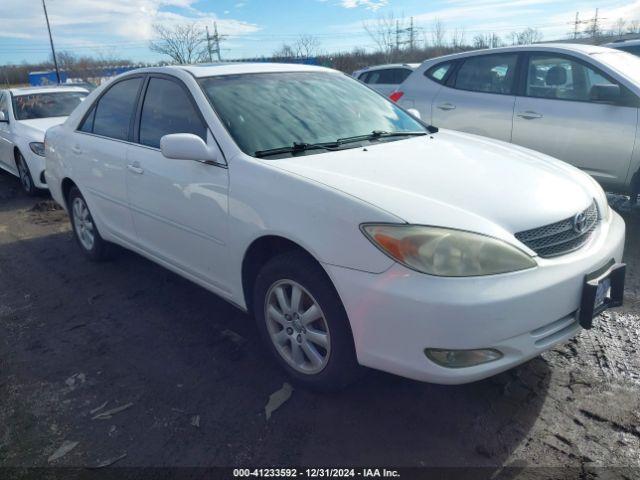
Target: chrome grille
x: 561, y: 237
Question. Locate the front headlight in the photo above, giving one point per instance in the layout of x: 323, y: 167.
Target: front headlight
x: 37, y: 148
x: 446, y: 252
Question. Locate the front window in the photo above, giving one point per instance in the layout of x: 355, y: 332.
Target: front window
x: 265, y: 111
x: 623, y: 62
x: 44, y: 105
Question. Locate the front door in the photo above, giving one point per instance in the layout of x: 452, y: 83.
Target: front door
x: 557, y: 116
x: 179, y: 207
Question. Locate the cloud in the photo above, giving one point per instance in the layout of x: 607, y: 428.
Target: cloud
x: 368, y: 4
x: 89, y: 22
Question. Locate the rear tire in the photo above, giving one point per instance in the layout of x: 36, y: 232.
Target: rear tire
x: 26, y: 180
x: 303, y: 323
x: 84, y: 228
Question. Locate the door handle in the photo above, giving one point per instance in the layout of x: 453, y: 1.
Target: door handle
x: 135, y: 168
x: 76, y: 149
x: 447, y: 106
x: 529, y: 115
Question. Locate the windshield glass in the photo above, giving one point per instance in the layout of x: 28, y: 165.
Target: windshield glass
x: 271, y: 110
x: 43, y: 105
x: 623, y: 62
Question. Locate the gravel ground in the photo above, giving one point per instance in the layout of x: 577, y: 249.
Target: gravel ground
x: 190, y: 381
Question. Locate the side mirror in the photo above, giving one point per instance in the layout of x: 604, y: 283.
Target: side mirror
x: 605, y: 93
x: 186, y: 146
x: 3, y: 118
x: 414, y: 113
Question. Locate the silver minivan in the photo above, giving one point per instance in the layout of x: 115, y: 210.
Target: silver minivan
x: 578, y: 103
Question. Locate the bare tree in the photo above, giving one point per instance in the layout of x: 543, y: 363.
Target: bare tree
x: 184, y: 44
x: 488, y: 40
x: 307, y: 46
x: 525, y: 37
x: 438, y: 34
x: 285, y: 52
x: 458, y: 39
x: 620, y: 27
x: 384, y: 32
x: 633, y: 26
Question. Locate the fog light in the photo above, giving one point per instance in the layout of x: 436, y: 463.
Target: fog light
x: 461, y: 358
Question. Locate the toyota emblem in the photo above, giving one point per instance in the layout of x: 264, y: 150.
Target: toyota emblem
x: 580, y: 223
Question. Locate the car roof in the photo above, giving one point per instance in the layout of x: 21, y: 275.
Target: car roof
x: 236, y: 68
x: 553, y: 47
x: 390, y: 65
x: 46, y: 89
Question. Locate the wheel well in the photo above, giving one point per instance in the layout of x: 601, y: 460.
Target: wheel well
x: 66, y: 186
x: 258, y: 254
x: 16, y: 152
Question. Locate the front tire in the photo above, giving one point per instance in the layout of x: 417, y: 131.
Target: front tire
x: 303, y: 323
x: 26, y: 180
x: 84, y: 228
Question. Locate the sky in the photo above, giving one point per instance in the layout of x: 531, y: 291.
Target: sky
x: 253, y: 28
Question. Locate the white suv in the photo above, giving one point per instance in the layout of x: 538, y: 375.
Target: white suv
x: 353, y: 233
x: 578, y: 103
x: 25, y: 115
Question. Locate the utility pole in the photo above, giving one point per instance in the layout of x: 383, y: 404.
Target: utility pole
x: 411, y: 36
x: 575, y: 26
x: 53, y: 50
x: 397, y: 35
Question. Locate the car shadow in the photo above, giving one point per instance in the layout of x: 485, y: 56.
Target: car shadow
x: 130, y: 332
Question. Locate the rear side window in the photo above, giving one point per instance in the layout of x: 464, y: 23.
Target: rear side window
x: 488, y: 74
x: 115, y: 109
x: 438, y: 73
x: 168, y: 109
x: 401, y: 75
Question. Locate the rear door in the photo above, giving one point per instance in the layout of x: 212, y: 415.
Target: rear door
x: 555, y: 115
x: 479, y: 96
x: 99, y: 149
x: 179, y: 207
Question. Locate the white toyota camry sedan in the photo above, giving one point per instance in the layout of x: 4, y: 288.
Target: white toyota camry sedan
x: 25, y: 114
x: 354, y: 233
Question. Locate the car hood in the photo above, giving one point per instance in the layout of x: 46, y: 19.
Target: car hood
x: 40, y: 125
x: 455, y: 180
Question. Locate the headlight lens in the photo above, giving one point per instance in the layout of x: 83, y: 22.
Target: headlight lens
x: 446, y: 252
x: 37, y: 148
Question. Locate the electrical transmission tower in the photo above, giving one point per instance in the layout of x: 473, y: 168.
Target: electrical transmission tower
x: 213, y: 42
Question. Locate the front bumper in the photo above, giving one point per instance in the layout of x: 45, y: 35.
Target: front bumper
x: 395, y: 315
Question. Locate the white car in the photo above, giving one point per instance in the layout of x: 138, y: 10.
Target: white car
x: 385, y: 78
x: 577, y: 103
x: 355, y: 234
x: 25, y: 115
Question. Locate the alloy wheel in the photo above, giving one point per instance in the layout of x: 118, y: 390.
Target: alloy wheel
x: 23, y: 171
x: 83, y: 223
x: 297, y: 327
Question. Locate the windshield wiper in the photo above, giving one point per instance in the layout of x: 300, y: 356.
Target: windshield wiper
x: 297, y: 147
x: 376, y: 134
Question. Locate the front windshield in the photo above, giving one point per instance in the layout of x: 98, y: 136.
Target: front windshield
x: 623, y: 62
x: 44, y: 105
x: 264, y: 111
